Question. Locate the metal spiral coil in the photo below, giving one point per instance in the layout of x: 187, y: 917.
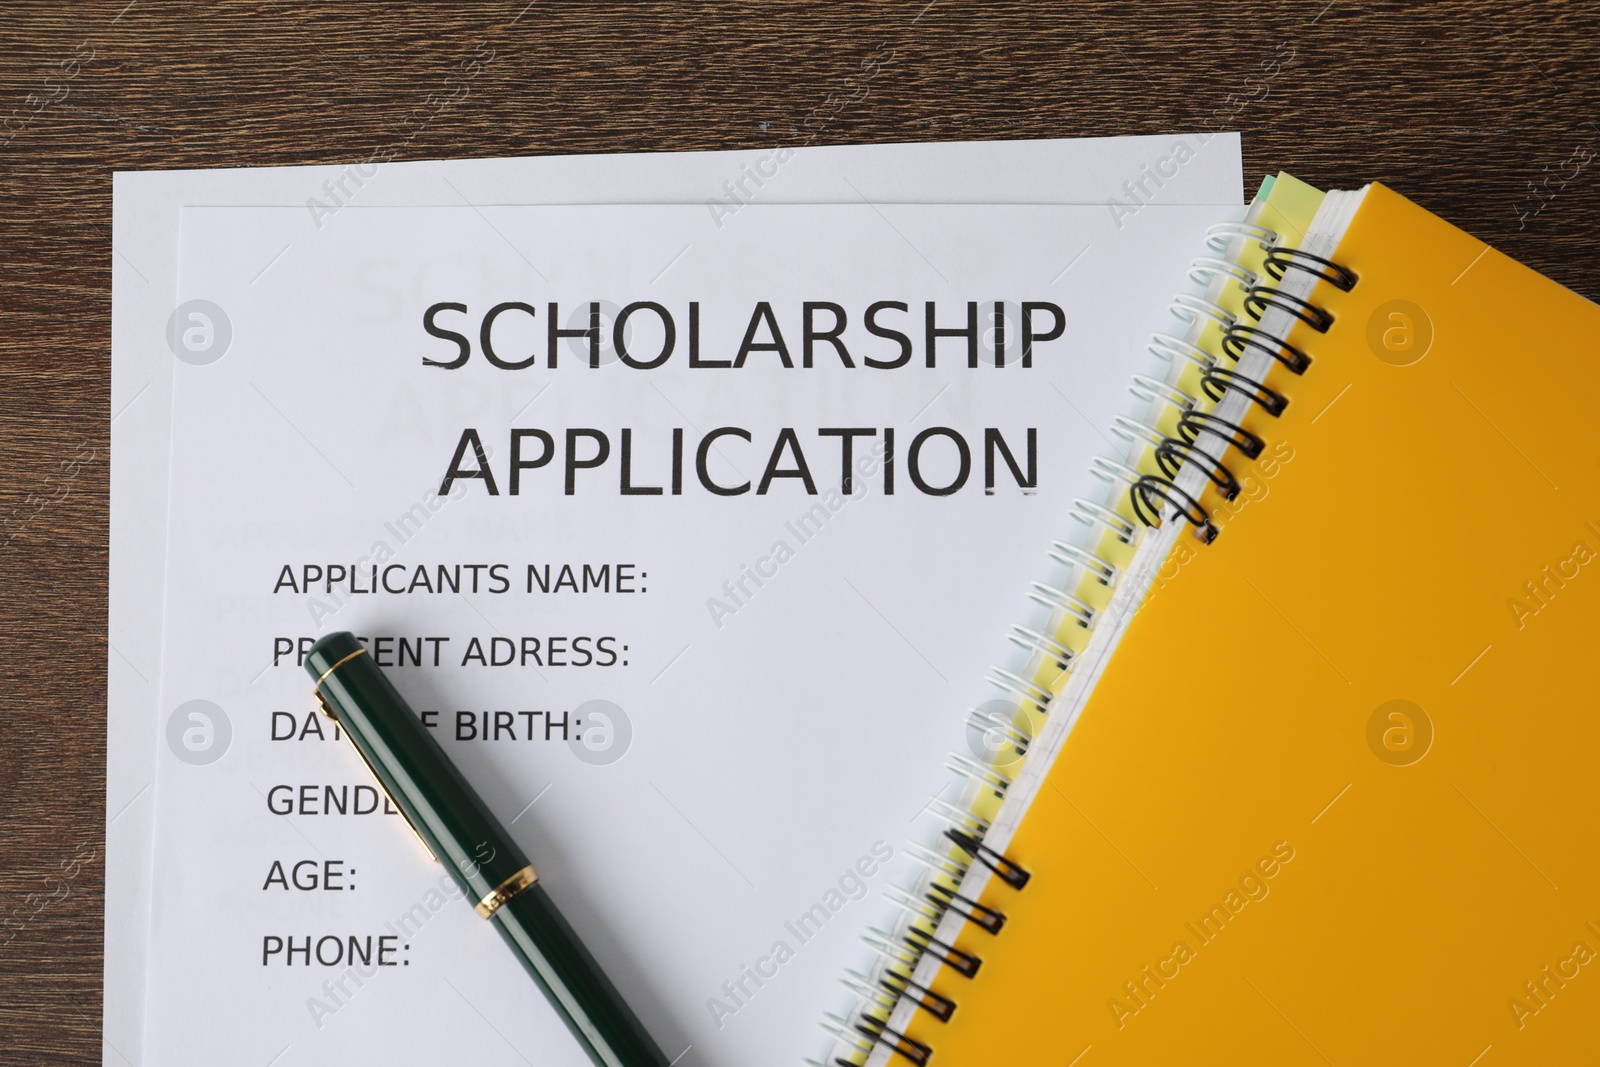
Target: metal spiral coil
x: 1151, y: 390
x: 1131, y: 431
x: 1091, y: 514
x: 1166, y: 347
x: 1014, y: 683
x: 955, y: 816
x: 1189, y: 308
x: 1113, y: 471
x: 1153, y: 495
x: 977, y: 772
x: 1240, y: 337
x: 978, y: 914
x: 1207, y: 268
x: 1072, y: 555
x: 867, y: 1032
x: 1262, y: 298
x: 1047, y: 595
x: 1282, y: 260
x: 925, y: 944
x: 1007, y: 871
x: 891, y: 984
x: 939, y: 863
x: 1192, y: 425
x: 1223, y: 234
x: 1174, y: 453
x: 1217, y: 381
x: 1049, y: 647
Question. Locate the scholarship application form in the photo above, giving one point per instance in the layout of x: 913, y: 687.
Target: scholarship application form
x: 688, y: 543
x: 146, y: 227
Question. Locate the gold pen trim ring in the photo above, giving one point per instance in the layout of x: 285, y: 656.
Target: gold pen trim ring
x: 323, y: 677
x: 506, y: 890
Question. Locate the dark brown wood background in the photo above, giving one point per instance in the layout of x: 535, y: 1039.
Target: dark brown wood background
x: 1479, y: 111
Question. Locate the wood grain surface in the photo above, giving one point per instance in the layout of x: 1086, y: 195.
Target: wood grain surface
x: 1476, y: 110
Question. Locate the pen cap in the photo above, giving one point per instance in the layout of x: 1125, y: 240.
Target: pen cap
x: 443, y: 809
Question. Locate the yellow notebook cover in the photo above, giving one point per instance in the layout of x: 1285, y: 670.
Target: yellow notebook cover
x: 1208, y: 318
x: 1334, y: 799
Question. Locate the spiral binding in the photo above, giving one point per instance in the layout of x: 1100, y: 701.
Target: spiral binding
x: 1148, y: 482
x: 1153, y: 490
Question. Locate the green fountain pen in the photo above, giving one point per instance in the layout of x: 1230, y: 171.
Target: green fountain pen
x: 460, y: 831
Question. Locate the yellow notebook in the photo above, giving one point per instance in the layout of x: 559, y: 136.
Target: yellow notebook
x: 1322, y: 786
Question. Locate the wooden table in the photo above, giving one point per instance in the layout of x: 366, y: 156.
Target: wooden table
x: 1466, y: 107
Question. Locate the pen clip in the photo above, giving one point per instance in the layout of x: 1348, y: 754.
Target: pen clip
x: 326, y: 708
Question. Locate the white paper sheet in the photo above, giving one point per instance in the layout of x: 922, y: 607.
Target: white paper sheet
x: 145, y: 239
x: 781, y: 733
